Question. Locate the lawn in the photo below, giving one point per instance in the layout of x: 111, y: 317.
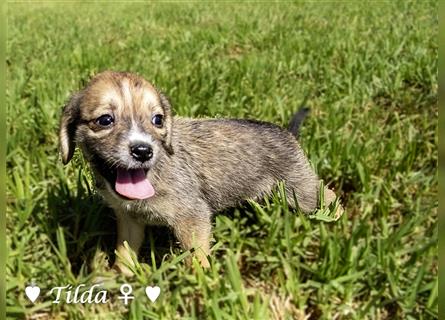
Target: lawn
x: 368, y: 72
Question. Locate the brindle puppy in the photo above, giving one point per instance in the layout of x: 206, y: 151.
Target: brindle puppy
x: 153, y: 168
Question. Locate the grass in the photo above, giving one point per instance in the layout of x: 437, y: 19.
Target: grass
x: 368, y: 73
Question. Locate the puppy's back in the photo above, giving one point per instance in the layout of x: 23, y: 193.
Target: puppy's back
x: 243, y: 159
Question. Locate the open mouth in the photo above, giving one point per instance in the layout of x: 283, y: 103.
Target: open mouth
x: 128, y: 183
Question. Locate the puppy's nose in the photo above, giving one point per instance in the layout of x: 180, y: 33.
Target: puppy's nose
x: 141, y: 152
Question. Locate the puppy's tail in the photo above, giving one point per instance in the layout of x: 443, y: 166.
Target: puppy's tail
x: 297, y: 120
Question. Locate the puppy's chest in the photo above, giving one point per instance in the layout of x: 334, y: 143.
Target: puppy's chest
x: 149, y: 211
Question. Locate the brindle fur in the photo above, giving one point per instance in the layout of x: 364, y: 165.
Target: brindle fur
x: 199, y: 166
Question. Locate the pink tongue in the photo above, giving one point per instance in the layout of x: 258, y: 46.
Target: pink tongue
x: 133, y: 184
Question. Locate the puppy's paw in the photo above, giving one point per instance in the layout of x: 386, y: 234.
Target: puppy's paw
x: 203, y: 261
x: 330, y: 197
x: 122, y: 269
x: 200, y: 256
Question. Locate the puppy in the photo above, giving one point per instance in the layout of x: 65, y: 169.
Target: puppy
x: 153, y: 168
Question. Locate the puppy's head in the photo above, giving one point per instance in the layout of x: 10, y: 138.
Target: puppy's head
x: 123, y: 125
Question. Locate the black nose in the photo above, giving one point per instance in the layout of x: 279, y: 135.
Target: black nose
x: 141, y: 152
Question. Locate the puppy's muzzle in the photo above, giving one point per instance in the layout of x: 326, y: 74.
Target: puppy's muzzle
x: 141, y: 152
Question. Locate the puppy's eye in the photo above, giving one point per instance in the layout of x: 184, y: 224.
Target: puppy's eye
x: 105, y: 120
x: 157, y: 120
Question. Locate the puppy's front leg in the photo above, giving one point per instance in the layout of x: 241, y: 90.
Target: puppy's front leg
x: 132, y: 231
x: 194, y: 232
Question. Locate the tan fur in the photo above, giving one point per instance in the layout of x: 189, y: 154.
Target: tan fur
x: 199, y: 166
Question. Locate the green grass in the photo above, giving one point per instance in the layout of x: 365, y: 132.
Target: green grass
x: 369, y: 75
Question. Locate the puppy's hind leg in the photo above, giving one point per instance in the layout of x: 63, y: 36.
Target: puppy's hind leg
x: 308, y: 195
x: 304, y: 192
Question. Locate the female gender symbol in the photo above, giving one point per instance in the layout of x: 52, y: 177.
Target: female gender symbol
x: 126, y: 290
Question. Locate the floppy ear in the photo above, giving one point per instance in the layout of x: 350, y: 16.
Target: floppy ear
x: 168, y: 122
x: 68, y: 126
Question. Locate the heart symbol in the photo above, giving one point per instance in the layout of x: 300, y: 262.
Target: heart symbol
x: 152, y: 293
x: 32, y: 292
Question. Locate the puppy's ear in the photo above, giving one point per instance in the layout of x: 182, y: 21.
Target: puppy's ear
x: 168, y: 122
x: 68, y: 126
